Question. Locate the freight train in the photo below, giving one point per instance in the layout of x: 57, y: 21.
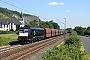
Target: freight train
x: 31, y: 34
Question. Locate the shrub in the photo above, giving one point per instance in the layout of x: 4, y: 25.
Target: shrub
x: 73, y: 39
x: 70, y: 50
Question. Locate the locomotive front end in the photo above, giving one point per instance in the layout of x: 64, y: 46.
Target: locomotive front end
x: 23, y: 34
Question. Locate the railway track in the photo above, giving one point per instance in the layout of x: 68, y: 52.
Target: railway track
x: 8, y: 48
x: 18, y: 52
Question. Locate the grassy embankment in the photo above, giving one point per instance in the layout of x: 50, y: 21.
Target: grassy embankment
x: 5, y: 39
x: 71, y: 49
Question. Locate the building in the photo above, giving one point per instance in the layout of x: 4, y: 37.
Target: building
x: 12, y: 23
x: 9, y: 24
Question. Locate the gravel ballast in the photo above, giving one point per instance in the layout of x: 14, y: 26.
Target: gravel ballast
x: 38, y: 55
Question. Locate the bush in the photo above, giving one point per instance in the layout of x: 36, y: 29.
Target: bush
x: 87, y: 32
x: 70, y: 50
x: 73, y: 39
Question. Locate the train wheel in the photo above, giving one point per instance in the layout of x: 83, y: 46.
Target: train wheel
x: 28, y: 42
x: 31, y: 41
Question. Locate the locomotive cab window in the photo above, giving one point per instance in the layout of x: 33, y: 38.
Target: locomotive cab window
x: 23, y: 30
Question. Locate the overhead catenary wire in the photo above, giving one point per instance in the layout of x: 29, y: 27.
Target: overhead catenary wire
x: 15, y: 6
x: 26, y: 10
x: 11, y: 4
x: 36, y: 11
x: 44, y: 18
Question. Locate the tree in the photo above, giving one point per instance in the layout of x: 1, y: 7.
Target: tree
x: 80, y: 30
x: 17, y: 27
x: 43, y: 24
x: 49, y: 24
x: 69, y: 30
x: 88, y: 28
x: 33, y: 23
x: 56, y: 26
x: 87, y: 31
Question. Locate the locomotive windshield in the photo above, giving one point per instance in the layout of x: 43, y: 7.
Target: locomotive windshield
x: 23, y: 30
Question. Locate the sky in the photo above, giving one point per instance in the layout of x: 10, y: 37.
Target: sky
x: 76, y: 12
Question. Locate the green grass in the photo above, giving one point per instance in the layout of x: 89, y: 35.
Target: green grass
x: 5, y: 39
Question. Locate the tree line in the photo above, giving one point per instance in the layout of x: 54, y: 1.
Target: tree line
x: 43, y: 24
x: 82, y: 30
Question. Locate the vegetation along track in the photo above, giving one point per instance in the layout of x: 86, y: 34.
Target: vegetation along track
x: 20, y: 52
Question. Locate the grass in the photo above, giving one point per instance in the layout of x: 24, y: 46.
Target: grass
x: 5, y: 39
x: 82, y: 48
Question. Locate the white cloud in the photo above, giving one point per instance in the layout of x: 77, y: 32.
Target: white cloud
x: 61, y: 3
x: 53, y: 3
x: 56, y: 3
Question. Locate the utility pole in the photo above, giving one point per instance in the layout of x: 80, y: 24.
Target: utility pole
x: 62, y: 23
x: 70, y: 26
x: 65, y: 27
x: 38, y: 21
x: 65, y: 22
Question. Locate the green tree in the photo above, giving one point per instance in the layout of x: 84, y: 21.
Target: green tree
x: 56, y: 26
x: 43, y: 24
x: 49, y: 24
x: 87, y: 31
x: 33, y: 23
x: 69, y: 30
x: 17, y: 27
x: 88, y: 28
x: 80, y: 30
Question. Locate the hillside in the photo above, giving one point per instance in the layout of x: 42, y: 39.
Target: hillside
x: 6, y: 13
x: 2, y: 16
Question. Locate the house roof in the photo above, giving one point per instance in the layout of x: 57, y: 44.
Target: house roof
x: 11, y: 20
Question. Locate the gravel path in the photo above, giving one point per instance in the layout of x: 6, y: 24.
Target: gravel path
x: 38, y: 55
